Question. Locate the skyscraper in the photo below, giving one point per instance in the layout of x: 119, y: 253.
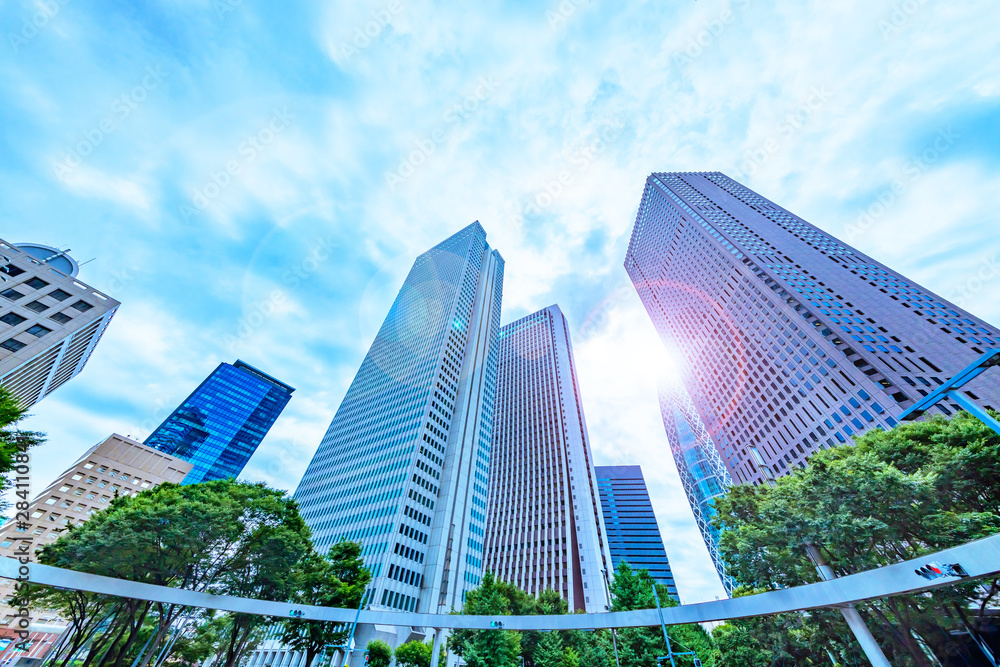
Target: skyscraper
x: 50, y: 322
x: 221, y: 424
x: 788, y: 339
x: 544, y: 525
x: 404, y: 465
x: 702, y: 472
x: 633, y: 534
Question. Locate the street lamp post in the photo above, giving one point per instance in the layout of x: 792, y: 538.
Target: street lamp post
x: 666, y: 638
x: 614, y: 636
x: 850, y: 613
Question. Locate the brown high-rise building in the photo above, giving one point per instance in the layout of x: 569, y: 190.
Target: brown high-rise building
x: 544, y: 526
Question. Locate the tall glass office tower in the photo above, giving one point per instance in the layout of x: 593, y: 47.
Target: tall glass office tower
x: 702, y: 472
x: 788, y: 339
x: 544, y: 526
x: 220, y: 425
x: 633, y: 534
x: 404, y: 466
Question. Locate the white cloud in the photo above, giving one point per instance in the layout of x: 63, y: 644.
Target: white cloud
x: 193, y: 280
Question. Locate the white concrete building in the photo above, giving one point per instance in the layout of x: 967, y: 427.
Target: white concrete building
x: 50, y: 322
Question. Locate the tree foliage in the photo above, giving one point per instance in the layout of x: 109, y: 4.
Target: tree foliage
x: 633, y: 589
x: 337, y: 579
x: 487, y: 648
x: 14, y: 443
x: 379, y: 653
x: 574, y: 648
x: 417, y: 654
x: 222, y: 537
x: 892, y: 496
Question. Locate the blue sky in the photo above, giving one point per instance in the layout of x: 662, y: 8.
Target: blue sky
x: 254, y: 179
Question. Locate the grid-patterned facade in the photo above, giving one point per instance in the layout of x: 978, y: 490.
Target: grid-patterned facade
x: 702, y: 472
x: 633, y: 534
x: 404, y: 466
x: 50, y: 322
x: 545, y: 527
x: 788, y: 339
x: 221, y: 424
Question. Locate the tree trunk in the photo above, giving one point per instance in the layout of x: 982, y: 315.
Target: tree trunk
x: 117, y: 624
x: 231, y: 649
x: 906, y: 633
x: 163, y: 627
x: 134, y: 629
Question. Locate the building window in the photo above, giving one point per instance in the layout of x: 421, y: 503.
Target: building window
x: 12, y: 344
x: 11, y: 294
x: 37, y: 306
x: 61, y: 318
x: 12, y: 270
x: 58, y: 294
x: 35, y: 283
x: 82, y: 306
x: 52, y: 501
x: 13, y: 319
x: 38, y: 330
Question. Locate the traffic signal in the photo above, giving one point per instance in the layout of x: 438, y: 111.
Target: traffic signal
x: 930, y: 571
x: 935, y: 570
x: 697, y: 662
x: 296, y: 613
x: 496, y: 624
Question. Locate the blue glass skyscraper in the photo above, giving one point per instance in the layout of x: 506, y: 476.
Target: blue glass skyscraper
x: 404, y: 466
x: 219, y: 426
x: 702, y: 472
x: 632, y: 532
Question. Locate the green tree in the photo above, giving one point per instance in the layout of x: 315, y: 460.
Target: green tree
x: 219, y: 537
x: 337, y: 579
x: 14, y: 445
x: 596, y: 649
x: 379, y: 653
x: 891, y: 496
x: 191, y: 651
x: 549, y: 650
x: 570, y: 658
x: 783, y: 640
x: 487, y: 648
x: 417, y: 654
x: 633, y: 589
